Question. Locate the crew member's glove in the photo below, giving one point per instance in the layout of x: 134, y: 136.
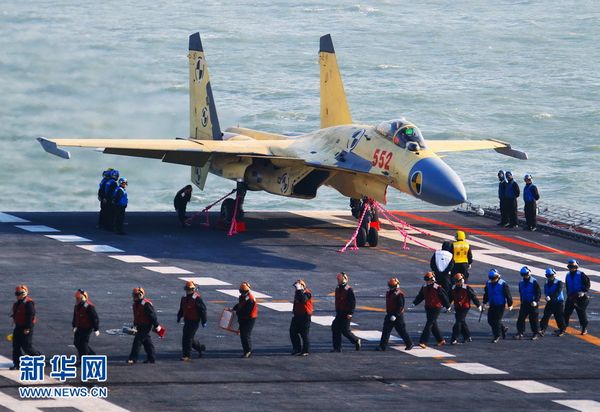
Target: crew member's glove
x: 486, y: 306
x: 158, y: 328
x: 348, y: 316
x: 392, y: 318
x: 534, y: 304
x: 510, y: 308
x: 581, y: 294
x: 26, y: 331
x: 74, y: 330
x: 298, y: 286
x: 97, y: 333
x: 448, y: 309
x: 548, y: 298
x: 412, y: 305
x: 480, y: 308
x: 204, y: 325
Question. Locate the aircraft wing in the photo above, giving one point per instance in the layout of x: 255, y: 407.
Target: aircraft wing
x: 443, y: 146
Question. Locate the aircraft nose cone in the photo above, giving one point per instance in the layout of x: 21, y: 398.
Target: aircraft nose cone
x: 435, y: 182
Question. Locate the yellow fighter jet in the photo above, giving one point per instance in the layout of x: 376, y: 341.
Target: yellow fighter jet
x: 355, y: 159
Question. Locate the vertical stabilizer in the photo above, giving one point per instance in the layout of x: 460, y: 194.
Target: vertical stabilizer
x: 334, y: 107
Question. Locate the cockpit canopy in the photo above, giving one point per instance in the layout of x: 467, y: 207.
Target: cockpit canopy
x: 402, y: 133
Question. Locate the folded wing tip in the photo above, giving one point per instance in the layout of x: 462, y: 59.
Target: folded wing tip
x: 50, y: 147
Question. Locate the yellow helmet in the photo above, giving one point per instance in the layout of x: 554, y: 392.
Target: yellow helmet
x: 460, y: 235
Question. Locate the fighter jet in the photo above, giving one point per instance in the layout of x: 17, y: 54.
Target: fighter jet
x: 357, y: 160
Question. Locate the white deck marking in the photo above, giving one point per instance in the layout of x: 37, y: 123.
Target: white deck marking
x: 68, y: 238
x: 100, y: 248
x: 206, y: 281
x: 133, y: 259
x: 529, y: 386
x: 326, y: 320
x: 373, y: 335
x: 581, y: 405
x: 424, y: 353
x: 475, y: 368
x: 6, y: 218
x: 37, y: 228
x: 168, y: 270
x: 235, y: 293
x: 278, y: 306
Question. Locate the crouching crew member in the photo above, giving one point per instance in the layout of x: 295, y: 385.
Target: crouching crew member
x: 300, y: 326
x: 23, y: 314
x: 246, y: 310
x: 463, y: 258
x: 394, y: 318
x: 345, y: 303
x: 577, y: 285
x: 497, y: 295
x: 85, y: 321
x: 144, y: 319
x: 555, y: 303
x: 462, y: 295
x: 193, y: 311
x: 435, y: 298
x: 441, y: 264
x: 530, y: 293
x: 180, y: 202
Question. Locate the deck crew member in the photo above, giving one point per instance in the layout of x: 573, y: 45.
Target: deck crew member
x: 435, y: 298
x: 530, y: 197
x: 85, y: 321
x: 109, y: 192
x: 180, y: 202
x: 394, y: 317
x: 300, y: 326
x: 462, y: 295
x: 441, y: 264
x: 247, y: 311
x: 463, y: 258
x: 577, y: 286
x: 555, y: 303
x: 502, y: 198
x: 530, y: 293
x: 511, y: 193
x: 23, y: 315
x: 497, y: 296
x: 345, y: 303
x: 193, y: 311
x: 102, y: 199
x: 144, y: 320
x: 120, y: 204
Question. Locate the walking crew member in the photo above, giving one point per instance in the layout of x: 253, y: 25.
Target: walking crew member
x: 577, y: 285
x: 109, y: 193
x: 497, y: 295
x: 300, y: 326
x: 555, y: 303
x: 502, y: 198
x: 120, y: 204
x: 180, y: 202
x: 530, y: 196
x: 144, y: 319
x: 461, y: 251
x: 345, y: 303
x: 511, y: 193
x: 247, y: 311
x: 23, y: 314
x: 193, y: 311
x: 462, y: 295
x: 102, y: 199
x: 530, y: 293
x: 394, y: 318
x: 435, y: 298
x: 85, y: 321
x: 441, y: 264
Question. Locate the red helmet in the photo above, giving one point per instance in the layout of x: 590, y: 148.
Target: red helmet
x: 458, y: 277
x: 342, y: 278
x: 429, y: 276
x: 393, y: 282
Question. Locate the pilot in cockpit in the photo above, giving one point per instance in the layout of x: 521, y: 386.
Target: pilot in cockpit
x: 402, y: 133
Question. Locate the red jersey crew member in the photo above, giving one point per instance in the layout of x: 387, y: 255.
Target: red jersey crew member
x: 345, y: 303
x: 193, y: 311
x: 462, y: 295
x: 394, y: 318
x: 497, y: 294
x: 23, y: 314
x: 555, y: 303
x: 435, y: 298
x: 577, y: 285
x: 300, y: 326
x: 144, y: 319
x: 530, y: 293
x: 461, y: 252
x: 85, y: 321
x: 246, y: 310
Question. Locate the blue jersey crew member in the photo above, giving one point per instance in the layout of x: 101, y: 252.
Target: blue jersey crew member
x: 502, y: 198
x: 193, y: 311
x: 555, y: 303
x: 462, y: 295
x: 530, y: 197
x: 435, y: 298
x: 247, y: 311
x: 144, y: 320
x: 394, y: 317
x: 577, y: 299
x: 120, y: 204
x: 497, y: 296
x: 23, y: 315
x: 461, y: 252
x: 300, y: 326
x: 345, y: 303
x: 511, y: 194
x: 109, y: 193
x: 102, y: 199
x: 530, y: 293
x: 85, y: 321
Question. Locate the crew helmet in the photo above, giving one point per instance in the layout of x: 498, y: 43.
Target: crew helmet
x: 460, y: 235
x: 244, y: 287
x: 393, y: 283
x: 189, y: 285
x: 429, y: 276
x: 550, y: 272
x: 123, y: 180
x: 572, y: 263
x: 525, y: 271
x: 493, y: 273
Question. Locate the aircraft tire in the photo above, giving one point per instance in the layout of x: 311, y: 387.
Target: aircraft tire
x: 373, y: 237
x: 361, y: 238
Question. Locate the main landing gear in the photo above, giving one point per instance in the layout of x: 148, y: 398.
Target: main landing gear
x: 369, y: 228
x: 232, y: 209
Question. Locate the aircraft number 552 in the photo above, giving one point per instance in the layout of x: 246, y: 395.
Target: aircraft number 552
x: 382, y: 159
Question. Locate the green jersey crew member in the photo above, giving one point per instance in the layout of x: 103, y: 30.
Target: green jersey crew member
x: 193, y: 311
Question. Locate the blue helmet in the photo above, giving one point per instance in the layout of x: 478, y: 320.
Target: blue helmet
x: 122, y: 180
x: 550, y: 272
x: 508, y: 173
x: 572, y: 263
x: 525, y: 271
x: 114, y: 174
x: 493, y: 273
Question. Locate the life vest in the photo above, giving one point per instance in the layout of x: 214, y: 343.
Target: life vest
x: 82, y: 317
x: 527, y: 290
x: 109, y: 188
x: 460, y: 296
x: 461, y: 251
x: 391, y: 301
x: 190, y: 309
x: 574, y: 283
x: 442, y: 259
x: 432, y: 298
x: 123, y: 199
x: 528, y: 193
x: 243, y: 301
x: 496, y: 293
x: 550, y: 288
x: 20, y: 314
x: 303, y: 308
x: 342, y: 303
x: 139, y: 314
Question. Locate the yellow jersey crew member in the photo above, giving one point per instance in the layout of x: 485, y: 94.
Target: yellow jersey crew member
x: 394, y: 318
x: 85, y: 321
x: 193, y: 311
x: 247, y: 311
x: 461, y: 252
x: 345, y: 303
x: 300, y: 326
x: 144, y: 320
x: 23, y: 315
